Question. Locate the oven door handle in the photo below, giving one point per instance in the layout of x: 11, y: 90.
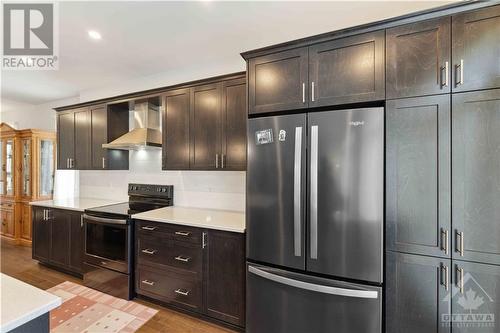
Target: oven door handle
x: 104, y: 220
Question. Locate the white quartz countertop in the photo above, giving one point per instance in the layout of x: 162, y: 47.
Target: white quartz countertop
x: 78, y: 204
x: 197, y: 217
x: 21, y: 303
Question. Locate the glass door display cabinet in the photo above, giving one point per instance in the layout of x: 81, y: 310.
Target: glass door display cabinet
x: 27, y: 160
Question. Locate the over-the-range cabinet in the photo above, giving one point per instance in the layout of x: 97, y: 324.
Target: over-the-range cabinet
x: 315, y: 222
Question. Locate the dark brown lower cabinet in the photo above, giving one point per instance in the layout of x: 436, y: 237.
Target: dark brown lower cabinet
x: 417, y: 294
x: 225, y: 276
x: 474, y: 301
x: 58, y: 238
x: 199, y: 270
x: 40, y: 245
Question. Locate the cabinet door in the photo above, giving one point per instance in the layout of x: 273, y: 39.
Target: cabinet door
x: 476, y: 176
x: 278, y: 82
x: 206, y: 127
x: 234, y: 125
x: 347, y: 70
x: 175, y: 154
x: 99, y: 132
x: 26, y: 221
x: 418, y: 59
x: 476, y: 292
x: 59, y: 221
x: 65, y: 139
x: 417, y: 293
x: 41, y: 235
x: 82, y: 139
x: 476, y: 49
x: 76, y: 240
x: 7, y: 217
x: 418, y: 175
x: 225, y: 291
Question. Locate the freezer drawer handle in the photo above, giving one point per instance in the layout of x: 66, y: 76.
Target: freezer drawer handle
x: 314, y: 287
x: 314, y: 192
x: 297, y: 195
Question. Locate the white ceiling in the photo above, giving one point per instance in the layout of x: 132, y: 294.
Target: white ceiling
x: 145, y: 38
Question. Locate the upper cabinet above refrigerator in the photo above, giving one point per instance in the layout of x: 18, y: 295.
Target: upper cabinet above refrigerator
x: 476, y: 50
x: 339, y: 71
x: 278, y: 82
x: 347, y: 70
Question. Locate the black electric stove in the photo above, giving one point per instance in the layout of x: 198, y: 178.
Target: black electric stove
x: 109, y: 240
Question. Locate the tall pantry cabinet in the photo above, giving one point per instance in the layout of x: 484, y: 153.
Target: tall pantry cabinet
x: 443, y: 174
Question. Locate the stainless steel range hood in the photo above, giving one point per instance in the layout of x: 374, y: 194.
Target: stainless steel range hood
x: 146, y: 133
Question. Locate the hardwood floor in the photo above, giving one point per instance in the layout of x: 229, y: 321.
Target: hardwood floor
x: 16, y: 261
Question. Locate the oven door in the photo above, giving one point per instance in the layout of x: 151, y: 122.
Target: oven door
x: 108, y: 243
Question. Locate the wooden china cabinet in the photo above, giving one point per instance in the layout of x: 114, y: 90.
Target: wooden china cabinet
x: 27, y: 161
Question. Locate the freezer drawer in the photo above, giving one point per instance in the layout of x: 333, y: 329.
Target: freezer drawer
x: 279, y: 301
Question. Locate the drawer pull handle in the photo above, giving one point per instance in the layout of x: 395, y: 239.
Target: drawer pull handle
x: 183, y: 259
x: 148, y: 251
x: 182, y: 292
x: 149, y: 283
x: 182, y: 233
x: 149, y: 228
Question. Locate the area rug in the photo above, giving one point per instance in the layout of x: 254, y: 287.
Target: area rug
x: 86, y: 310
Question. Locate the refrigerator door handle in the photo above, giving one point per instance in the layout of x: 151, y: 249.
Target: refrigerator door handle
x: 297, y: 195
x: 314, y: 193
x: 314, y: 287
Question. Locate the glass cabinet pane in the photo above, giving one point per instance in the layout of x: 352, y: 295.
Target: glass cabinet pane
x: 26, y: 175
x: 46, y: 167
x: 9, y: 167
x: 2, y: 171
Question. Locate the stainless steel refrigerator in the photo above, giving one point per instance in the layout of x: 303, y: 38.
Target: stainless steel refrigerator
x: 315, y: 222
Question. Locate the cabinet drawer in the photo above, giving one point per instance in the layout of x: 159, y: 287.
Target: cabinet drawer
x: 176, y: 232
x: 6, y: 205
x: 174, y: 288
x: 165, y: 251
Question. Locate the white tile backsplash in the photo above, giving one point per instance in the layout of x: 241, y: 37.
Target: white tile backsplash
x: 203, y: 189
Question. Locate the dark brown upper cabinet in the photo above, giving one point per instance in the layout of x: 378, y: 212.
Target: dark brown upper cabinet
x: 82, y: 139
x: 65, y: 139
x: 81, y: 133
x: 341, y: 71
x: 476, y: 176
x: 418, y: 59
x: 234, y: 124
x: 175, y: 154
x: 347, y: 70
x: 278, y: 81
x: 476, y: 50
x: 108, y: 123
x: 418, y: 171
x: 206, y: 126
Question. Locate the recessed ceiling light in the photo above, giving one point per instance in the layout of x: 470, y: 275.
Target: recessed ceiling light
x: 94, y: 34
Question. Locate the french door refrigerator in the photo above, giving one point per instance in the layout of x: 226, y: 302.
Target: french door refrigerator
x: 315, y: 222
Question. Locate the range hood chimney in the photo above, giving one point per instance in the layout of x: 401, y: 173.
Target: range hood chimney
x: 146, y: 133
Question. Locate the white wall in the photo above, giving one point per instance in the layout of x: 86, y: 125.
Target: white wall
x: 204, y: 189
